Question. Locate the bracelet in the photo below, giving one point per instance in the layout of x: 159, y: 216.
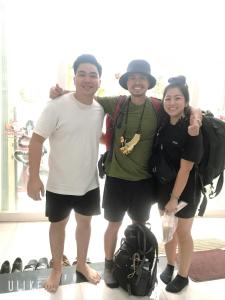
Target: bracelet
x: 175, y: 197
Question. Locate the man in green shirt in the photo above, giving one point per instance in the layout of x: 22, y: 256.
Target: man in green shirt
x: 128, y: 186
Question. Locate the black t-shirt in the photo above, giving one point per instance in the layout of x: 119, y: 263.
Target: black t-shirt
x: 177, y: 143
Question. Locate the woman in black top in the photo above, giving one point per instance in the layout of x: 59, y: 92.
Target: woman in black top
x: 181, y: 151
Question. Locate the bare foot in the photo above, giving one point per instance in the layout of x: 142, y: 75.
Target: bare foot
x: 90, y: 274
x: 52, y: 283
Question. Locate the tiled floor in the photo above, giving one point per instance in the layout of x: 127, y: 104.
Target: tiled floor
x: 30, y: 240
x: 86, y: 291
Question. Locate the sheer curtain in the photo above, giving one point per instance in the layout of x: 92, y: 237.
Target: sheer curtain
x: 41, y: 38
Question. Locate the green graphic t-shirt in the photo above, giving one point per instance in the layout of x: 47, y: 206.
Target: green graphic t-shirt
x: 133, y: 166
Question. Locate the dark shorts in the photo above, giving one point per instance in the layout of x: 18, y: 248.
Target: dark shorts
x: 191, y: 195
x: 58, y: 207
x: 121, y: 196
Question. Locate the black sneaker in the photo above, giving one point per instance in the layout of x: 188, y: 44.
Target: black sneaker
x: 167, y: 274
x: 177, y: 284
x: 109, y: 279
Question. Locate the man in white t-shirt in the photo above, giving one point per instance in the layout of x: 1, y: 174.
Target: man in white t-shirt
x: 73, y: 125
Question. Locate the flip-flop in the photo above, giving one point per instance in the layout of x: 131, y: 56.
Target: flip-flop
x: 42, y: 264
x: 31, y: 266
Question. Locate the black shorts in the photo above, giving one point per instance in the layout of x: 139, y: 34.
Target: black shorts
x: 58, y: 207
x: 191, y: 195
x: 121, y: 196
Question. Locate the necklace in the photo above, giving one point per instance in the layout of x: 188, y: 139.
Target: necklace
x: 127, y: 147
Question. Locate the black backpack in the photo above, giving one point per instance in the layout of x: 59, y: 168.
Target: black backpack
x: 212, y: 164
x: 135, y: 262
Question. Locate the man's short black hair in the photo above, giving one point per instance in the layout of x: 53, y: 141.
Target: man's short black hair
x: 87, y: 58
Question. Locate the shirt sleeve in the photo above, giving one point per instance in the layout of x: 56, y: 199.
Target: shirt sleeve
x: 47, y: 122
x: 108, y: 103
x: 193, y: 148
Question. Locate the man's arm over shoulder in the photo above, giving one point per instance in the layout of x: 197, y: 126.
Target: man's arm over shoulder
x: 108, y: 103
x: 57, y: 91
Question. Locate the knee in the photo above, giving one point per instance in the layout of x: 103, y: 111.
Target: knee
x: 83, y: 221
x: 86, y: 225
x: 60, y: 225
x: 184, y: 236
x: 113, y: 227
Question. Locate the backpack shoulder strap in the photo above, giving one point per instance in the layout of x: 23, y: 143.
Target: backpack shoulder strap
x: 153, y: 238
x: 212, y: 194
x: 119, y: 103
x: 112, y: 121
x: 140, y: 232
x: 157, y: 105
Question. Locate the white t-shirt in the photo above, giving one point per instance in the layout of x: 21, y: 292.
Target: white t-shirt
x: 74, y: 130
